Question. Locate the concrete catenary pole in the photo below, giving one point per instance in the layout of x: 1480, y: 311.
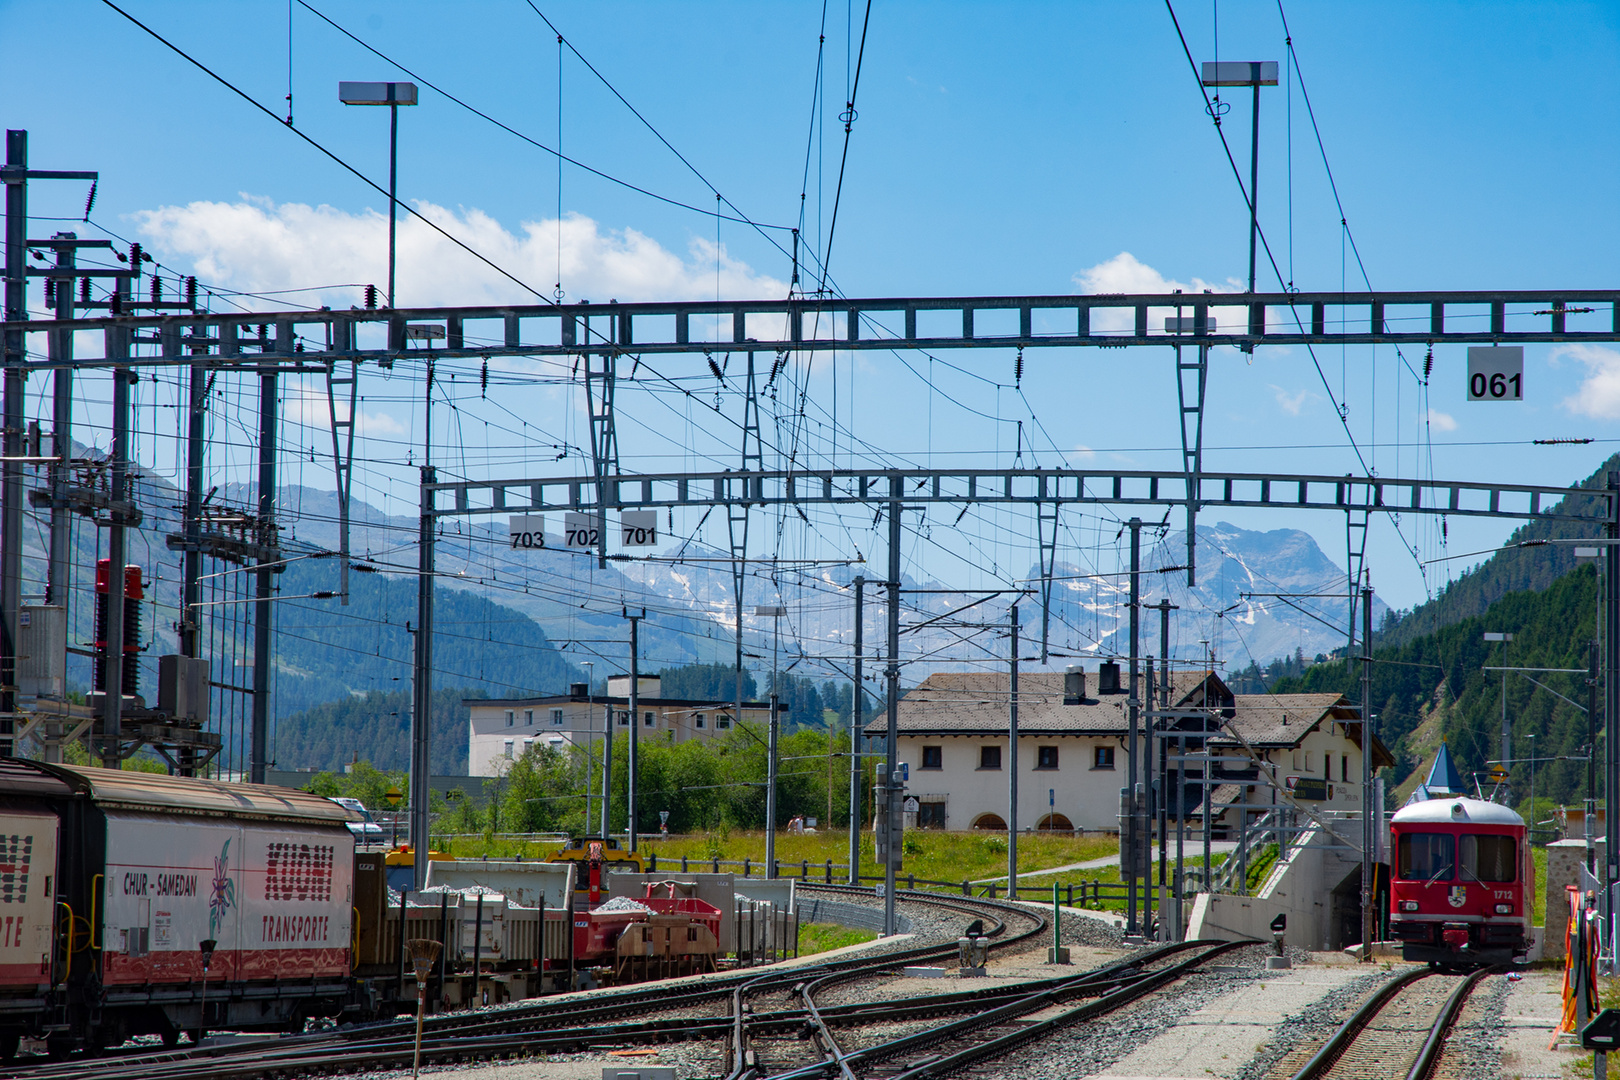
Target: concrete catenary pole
x: 1368, y: 894
x: 857, y: 724
x: 1012, y: 756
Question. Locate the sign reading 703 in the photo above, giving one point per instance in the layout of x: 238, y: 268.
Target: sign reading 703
x: 527, y: 531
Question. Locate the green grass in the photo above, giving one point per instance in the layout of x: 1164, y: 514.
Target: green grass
x: 824, y: 937
x: 938, y: 856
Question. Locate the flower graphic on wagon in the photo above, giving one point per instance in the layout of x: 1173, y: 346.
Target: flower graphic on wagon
x: 223, y: 895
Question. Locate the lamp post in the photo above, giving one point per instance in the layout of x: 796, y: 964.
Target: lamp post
x: 590, y: 736
x: 1252, y: 73
x: 775, y: 612
x: 1507, y: 731
x: 393, y: 95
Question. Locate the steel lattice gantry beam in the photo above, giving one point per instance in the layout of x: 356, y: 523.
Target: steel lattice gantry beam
x: 1027, y: 486
x: 822, y: 324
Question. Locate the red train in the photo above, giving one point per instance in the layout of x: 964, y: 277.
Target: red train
x: 1462, y: 875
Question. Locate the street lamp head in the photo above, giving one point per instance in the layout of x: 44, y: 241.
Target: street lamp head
x: 1239, y: 73
x: 383, y: 93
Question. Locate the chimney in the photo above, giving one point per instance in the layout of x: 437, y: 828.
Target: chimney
x: 1108, y: 678
x: 1074, y: 685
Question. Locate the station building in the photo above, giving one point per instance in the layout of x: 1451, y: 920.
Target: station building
x: 499, y: 730
x: 1072, y: 749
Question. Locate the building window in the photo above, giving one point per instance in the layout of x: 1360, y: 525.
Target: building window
x: 1102, y: 757
x: 647, y: 720
x: 1310, y: 761
x: 933, y: 758
x: 624, y: 719
x: 528, y: 718
x: 1344, y: 767
x: 990, y: 758
x: 1046, y: 757
x: 931, y: 815
x: 698, y: 720
x: 556, y: 718
x: 722, y: 721
x: 511, y: 718
x: 507, y: 744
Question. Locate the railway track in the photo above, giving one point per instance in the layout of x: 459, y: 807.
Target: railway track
x: 999, y: 1022
x: 544, y: 1027
x: 1399, y: 1031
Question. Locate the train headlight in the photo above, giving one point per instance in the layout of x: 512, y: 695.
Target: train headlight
x: 1409, y: 905
x: 1504, y: 909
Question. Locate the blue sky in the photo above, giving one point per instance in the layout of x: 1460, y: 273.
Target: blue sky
x: 998, y: 149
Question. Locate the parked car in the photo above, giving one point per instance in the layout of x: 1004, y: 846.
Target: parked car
x: 366, y: 830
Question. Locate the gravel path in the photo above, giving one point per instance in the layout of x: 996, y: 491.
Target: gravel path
x: 1092, y: 1047
x: 1299, y: 1036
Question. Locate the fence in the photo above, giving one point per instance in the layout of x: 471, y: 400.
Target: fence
x: 1084, y: 892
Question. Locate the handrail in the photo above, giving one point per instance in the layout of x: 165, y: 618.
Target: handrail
x: 67, y: 948
x: 95, y: 899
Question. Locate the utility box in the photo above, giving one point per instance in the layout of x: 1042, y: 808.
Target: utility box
x: 183, y: 688
x: 42, y: 651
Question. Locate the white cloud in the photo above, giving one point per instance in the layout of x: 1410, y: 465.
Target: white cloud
x: 308, y: 407
x: 1599, y: 395
x: 1439, y: 421
x: 257, y: 245
x: 1291, y: 403
x: 1124, y: 273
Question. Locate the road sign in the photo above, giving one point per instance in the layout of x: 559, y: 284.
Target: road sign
x: 1308, y: 788
x: 394, y: 795
x: 1496, y: 373
x: 580, y: 532
x: 639, y: 528
x: 527, y: 530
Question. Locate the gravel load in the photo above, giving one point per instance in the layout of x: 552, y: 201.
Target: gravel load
x: 620, y: 904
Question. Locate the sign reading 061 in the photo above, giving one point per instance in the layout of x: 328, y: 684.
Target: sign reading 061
x: 1496, y: 373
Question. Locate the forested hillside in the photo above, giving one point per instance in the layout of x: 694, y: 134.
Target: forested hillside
x: 1509, y: 571
x: 374, y: 728
x: 1432, y: 687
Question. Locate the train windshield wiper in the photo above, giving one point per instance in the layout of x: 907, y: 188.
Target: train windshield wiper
x: 1438, y: 874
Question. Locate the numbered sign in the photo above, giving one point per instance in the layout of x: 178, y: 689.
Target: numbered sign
x: 580, y: 532
x: 639, y: 528
x: 1496, y: 373
x: 527, y: 532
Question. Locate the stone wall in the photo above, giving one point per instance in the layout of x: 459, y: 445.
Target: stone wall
x: 1564, y: 861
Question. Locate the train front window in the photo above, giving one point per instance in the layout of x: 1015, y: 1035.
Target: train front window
x: 1425, y: 856
x: 1488, y: 858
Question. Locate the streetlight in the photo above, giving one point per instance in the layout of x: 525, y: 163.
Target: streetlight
x: 1507, y: 731
x: 393, y: 95
x: 771, y: 611
x: 590, y: 740
x: 1253, y: 73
